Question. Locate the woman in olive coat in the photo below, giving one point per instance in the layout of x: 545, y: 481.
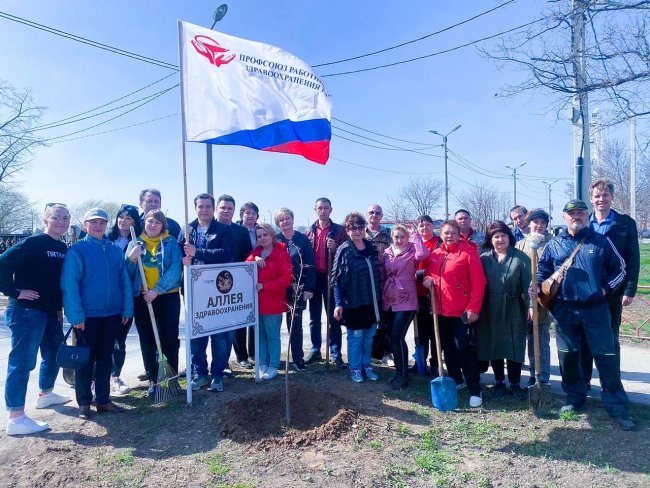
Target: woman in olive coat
x: 502, y: 325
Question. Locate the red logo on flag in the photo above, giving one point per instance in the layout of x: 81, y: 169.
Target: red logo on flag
x: 208, y: 47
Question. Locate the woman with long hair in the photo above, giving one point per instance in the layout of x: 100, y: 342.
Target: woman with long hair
x: 455, y: 277
x: 399, y: 294
x: 502, y: 326
x: 273, y: 278
x: 120, y: 235
x: 161, y: 259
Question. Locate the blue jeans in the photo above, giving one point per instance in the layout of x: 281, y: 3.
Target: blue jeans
x: 316, y: 304
x: 360, y: 347
x: 544, y: 351
x: 220, y: 345
x: 270, y: 340
x: 572, y: 321
x: 31, y: 329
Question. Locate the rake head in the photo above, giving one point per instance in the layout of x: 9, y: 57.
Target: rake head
x: 167, y: 386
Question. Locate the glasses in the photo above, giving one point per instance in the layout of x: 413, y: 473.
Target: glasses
x: 356, y: 228
x: 374, y: 212
x: 54, y: 204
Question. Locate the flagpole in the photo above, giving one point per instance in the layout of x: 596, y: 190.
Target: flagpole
x: 188, y: 289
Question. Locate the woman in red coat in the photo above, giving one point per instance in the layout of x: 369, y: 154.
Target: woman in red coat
x: 273, y: 278
x: 455, y: 276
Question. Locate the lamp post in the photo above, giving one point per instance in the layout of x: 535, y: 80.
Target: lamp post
x: 514, y: 177
x: 444, y: 141
x: 550, y: 203
x: 216, y: 17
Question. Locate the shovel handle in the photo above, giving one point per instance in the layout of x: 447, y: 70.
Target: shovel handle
x: 152, y: 316
x: 533, y: 283
x: 436, y: 331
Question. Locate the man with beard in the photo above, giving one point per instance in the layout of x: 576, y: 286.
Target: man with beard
x: 580, y: 308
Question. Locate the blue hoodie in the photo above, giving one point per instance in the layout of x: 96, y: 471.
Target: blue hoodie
x: 169, y: 264
x: 95, y: 281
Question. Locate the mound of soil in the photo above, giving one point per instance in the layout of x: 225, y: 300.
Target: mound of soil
x: 259, y: 417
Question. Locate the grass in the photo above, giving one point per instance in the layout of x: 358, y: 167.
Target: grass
x: 216, y: 464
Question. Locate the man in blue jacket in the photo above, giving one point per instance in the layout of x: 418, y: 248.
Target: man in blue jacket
x: 580, y: 308
x: 621, y: 230
x: 97, y: 300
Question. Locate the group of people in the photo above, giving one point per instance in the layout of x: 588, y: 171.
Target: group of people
x: 368, y: 278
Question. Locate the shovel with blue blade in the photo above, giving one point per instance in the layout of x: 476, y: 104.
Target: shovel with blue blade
x: 443, y: 389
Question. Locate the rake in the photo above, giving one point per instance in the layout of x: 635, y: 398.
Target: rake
x: 167, y: 385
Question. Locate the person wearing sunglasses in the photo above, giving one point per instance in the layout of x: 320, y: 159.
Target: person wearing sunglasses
x: 120, y: 234
x: 29, y: 276
x: 357, y: 295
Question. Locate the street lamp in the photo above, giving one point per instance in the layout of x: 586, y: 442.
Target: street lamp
x: 216, y: 17
x: 514, y: 177
x: 444, y: 141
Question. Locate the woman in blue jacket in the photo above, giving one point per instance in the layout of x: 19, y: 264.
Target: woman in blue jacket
x: 97, y: 297
x: 161, y: 259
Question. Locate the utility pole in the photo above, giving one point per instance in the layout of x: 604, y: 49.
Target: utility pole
x: 514, y: 179
x: 580, y: 118
x: 633, y: 168
x: 444, y: 141
x: 550, y: 204
x: 216, y: 17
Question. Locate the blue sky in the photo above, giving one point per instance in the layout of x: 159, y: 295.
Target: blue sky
x: 402, y: 101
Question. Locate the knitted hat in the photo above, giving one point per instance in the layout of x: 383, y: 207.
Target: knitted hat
x: 537, y: 213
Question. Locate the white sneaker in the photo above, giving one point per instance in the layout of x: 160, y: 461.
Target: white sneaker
x: 25, y: 425
x: 475, y: 401
x: 49, y: 399
x: 118, y: 386
x: 388, y: 360
x: 263, y: 369
x: 270, y: 373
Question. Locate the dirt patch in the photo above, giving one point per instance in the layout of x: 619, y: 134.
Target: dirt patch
x: 259, y: 417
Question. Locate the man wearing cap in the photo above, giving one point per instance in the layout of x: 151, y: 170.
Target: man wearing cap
x: 536, y: 240
x: 97, y: 300
x: 621, y: 230
x: 519, y: 222
x: 464, y: 220
x: 580, y: 307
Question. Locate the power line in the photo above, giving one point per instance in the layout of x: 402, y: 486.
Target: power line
x: 61, y: 123
x: 431, y: 146
x: 111, y: 119
x: 117, y: 129
x: 90, y: 42
x: 383, y: 170
x: 385, y: 148
x: 418, y: 39
x: 379, y: 134
x: 45, y: 126
x: 433, y: 54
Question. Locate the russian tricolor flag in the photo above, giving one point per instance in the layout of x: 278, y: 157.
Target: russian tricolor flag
x: 247, y: 93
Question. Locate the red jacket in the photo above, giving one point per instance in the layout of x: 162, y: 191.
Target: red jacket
x: 276, y: 277
x: 459, y: 279
x: 431, y: 245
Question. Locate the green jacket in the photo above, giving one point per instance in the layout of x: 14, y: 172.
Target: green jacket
x: 501, y: 330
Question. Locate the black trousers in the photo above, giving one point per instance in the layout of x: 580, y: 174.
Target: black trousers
x: 399, y: 324
x: 426, y: 335
x: 586, y: 356
x: 244, y: 346
x: 514, y: 371
x: 119, y: 351
x: 166, y: 309
x: 460, y: 352
x: 99, y: 334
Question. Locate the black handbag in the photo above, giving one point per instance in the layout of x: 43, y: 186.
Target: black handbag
x: 73, y: 357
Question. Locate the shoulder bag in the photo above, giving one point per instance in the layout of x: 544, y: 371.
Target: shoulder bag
x: 551, y: 285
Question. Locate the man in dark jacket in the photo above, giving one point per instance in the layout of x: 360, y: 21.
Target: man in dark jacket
x: 151, y: 199
x: 242, y: 247
x: 210, y: 242
x: 621, y: 230
x: 580, y: 308
x: 325, y: 237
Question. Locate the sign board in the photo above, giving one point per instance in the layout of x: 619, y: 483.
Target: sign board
x: 222, y: 297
